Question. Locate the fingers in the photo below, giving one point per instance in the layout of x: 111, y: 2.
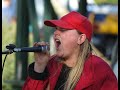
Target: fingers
x: 36, y: 44
x: 41, y: 43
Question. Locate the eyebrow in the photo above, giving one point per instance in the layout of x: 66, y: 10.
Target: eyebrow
x: 60, y: 28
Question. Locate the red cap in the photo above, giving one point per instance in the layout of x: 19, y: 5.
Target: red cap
x: 73, y: 20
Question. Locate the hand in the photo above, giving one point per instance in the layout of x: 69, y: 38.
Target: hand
x: 41, y: 58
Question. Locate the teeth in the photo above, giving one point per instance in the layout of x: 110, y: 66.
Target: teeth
x: 57, y: 40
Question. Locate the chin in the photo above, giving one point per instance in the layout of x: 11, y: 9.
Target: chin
x: 59, y: 54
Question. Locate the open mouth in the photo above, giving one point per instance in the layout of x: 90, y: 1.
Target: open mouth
x: 58, y: 43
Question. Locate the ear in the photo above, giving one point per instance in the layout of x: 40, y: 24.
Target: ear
x: 81, y: 38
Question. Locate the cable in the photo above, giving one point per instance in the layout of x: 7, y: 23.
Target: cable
x: 4, y: 62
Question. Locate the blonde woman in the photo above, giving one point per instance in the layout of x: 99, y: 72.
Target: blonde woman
x: 73, y: 67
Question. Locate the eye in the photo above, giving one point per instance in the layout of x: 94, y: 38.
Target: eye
x: 62, y: 30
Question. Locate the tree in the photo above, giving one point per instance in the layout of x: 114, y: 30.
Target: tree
x: 83, y: 7
x: 49, y: 14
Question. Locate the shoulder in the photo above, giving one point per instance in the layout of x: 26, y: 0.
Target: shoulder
x: 101, y: 69
x: 99, y: 63
x: 103, y: 74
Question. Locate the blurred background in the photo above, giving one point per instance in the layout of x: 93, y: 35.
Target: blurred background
x: 22, y: 25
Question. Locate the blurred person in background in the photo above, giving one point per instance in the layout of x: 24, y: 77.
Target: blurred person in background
x: 9, y: 11
x: 73, y: 67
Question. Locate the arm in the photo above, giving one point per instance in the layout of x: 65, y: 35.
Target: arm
x: 35, y: 80
x: 37, y: 72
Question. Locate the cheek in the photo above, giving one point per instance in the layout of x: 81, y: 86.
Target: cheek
x: 70, y: 42
x: 70, y: 36
x: 70, y: 48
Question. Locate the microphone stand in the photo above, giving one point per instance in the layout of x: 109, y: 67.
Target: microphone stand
x: 7, y: 52
x: 10, y: 48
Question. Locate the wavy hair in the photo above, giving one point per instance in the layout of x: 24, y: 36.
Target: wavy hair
x: 76, y: 71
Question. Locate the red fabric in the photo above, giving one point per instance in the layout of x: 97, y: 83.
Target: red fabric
x: 96, y: 75
x: 73, y: 20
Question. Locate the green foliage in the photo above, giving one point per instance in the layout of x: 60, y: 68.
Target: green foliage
x: 106, y: 1
x: 8, y: 37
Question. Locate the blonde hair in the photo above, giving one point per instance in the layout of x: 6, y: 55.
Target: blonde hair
x: 76, y: 71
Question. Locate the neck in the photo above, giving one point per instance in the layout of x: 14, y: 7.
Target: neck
x: 72, y: 58
x: 71, y: 61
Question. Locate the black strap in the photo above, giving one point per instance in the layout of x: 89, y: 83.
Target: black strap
x: 36, y: 75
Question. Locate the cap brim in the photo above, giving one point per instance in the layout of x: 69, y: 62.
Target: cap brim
x: 58, y: 23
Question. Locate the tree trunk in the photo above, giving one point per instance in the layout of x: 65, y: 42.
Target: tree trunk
x: 48, y: 14
x: 33, y: 20
x: 83, y: 7
x: 21, y: 41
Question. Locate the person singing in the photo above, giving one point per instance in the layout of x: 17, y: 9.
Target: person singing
x: 73, y: 67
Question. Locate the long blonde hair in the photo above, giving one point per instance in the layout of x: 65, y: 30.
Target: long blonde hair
x: 76, y: 71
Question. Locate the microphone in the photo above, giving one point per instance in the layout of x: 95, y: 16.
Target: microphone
x: 32, y: 49
x: 12, y: 48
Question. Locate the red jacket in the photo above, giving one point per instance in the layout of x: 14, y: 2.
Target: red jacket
x: 96, y: 75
